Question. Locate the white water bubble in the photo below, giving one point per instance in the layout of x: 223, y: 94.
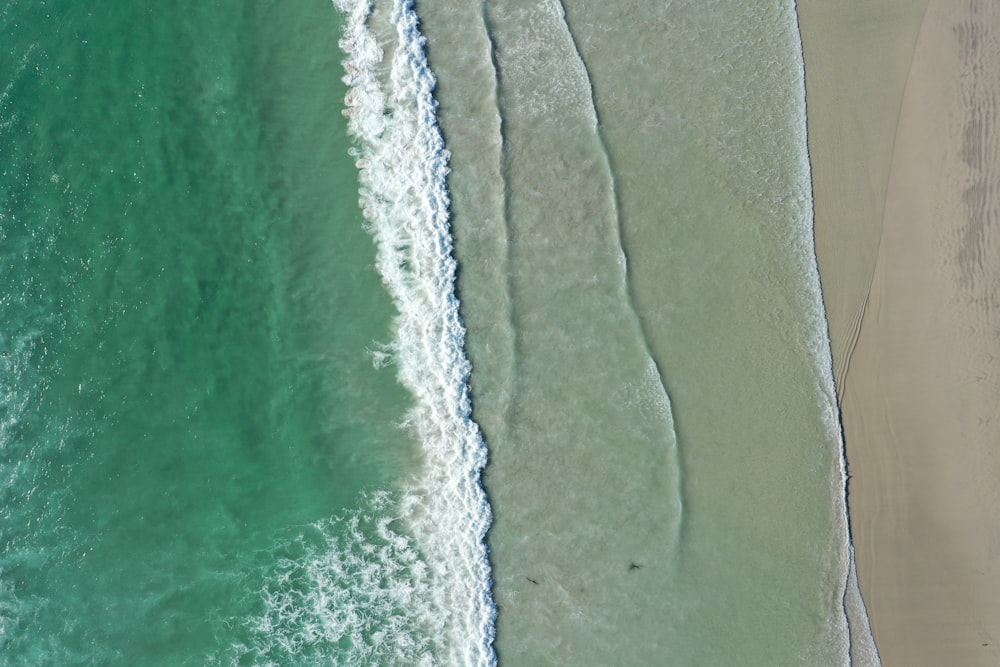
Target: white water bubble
x: 403, y: 168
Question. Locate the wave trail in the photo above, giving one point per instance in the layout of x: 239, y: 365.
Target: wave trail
x: 655, y: 372
x: 507, y: 401
x: 403, y: 167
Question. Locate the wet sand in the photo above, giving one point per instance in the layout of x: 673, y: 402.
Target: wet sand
x: 902, y: 101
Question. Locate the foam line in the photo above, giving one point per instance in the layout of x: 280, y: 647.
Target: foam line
x: 403, y: 166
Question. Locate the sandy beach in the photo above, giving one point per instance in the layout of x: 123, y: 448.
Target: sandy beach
x: 902, y: 105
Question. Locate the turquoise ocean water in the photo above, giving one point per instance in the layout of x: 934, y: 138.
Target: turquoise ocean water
x: 195, y: 440
x: 235, y: 406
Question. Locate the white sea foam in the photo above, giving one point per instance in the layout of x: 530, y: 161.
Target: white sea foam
x: 403, y: 167
x: 351, y: 590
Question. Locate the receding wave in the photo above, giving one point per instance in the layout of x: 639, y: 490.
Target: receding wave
x: 403, y: 167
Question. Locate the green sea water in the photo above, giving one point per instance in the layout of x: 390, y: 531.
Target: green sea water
x: 189, y: 413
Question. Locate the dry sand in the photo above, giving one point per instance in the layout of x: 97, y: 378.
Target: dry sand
x: 904, y: 135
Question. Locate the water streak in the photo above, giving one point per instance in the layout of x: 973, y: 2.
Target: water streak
x: 662, y: 397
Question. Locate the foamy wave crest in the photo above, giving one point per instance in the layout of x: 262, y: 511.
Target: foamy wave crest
x: 403, y: 168
x: 349, y: 591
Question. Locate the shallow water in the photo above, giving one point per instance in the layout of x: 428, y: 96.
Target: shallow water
x: 651, y: 366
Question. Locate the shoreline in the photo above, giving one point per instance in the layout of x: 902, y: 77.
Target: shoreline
x: 861, y: 650
x: 902, y: 143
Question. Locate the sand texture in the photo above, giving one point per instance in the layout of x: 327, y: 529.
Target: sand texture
x: 917, y: 354
x: 857, y: 56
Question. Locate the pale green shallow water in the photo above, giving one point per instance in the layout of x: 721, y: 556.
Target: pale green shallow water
x: 703, y: 530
